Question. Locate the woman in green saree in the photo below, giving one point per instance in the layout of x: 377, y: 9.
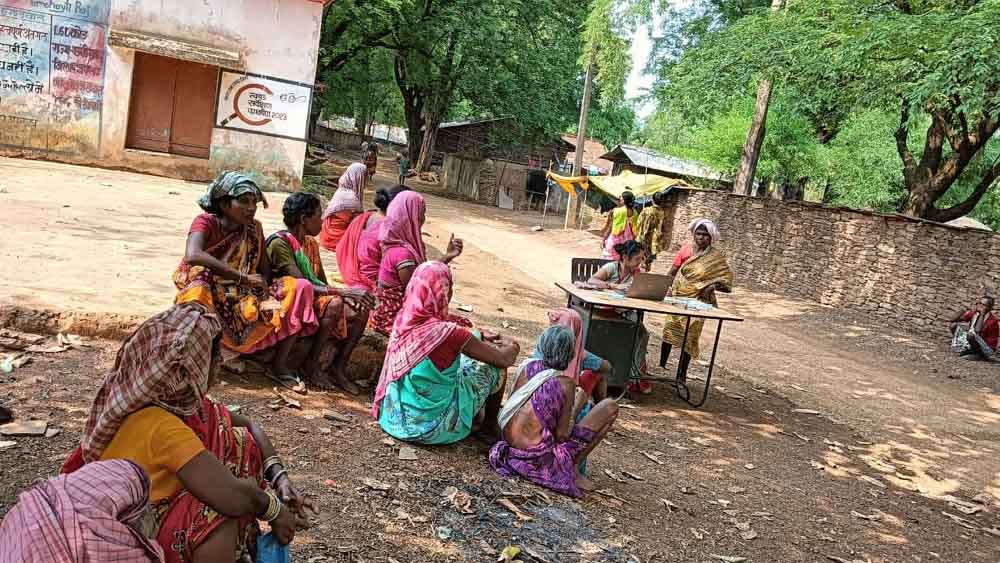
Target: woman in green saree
x: 439, y: 380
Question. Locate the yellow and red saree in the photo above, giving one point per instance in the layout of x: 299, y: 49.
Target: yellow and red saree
x: 697, y: 273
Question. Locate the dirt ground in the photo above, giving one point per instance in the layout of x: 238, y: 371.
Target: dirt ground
x: 825, y: 438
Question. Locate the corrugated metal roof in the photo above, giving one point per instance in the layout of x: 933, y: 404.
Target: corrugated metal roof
x: 648, y: 158
x: 451, y: 124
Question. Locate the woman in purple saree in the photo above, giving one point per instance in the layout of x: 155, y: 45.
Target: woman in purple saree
x: 543, y: 443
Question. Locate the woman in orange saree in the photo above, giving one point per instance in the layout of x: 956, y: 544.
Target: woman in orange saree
x: 225, y: 268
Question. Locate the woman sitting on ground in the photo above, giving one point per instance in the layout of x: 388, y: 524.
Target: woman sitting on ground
x: 99, y: 513
x: 225, y: 269
x: 358, y: 252
x: 440, y: 380
x: 347, y: 202
x: 618, y: 276
x: 403, y: 250
x: 542, y: 443
x: 975, y: 332
x: 620, y: 227
x: 212, y: 472
x: 342, y: 313
x: 699, y: 270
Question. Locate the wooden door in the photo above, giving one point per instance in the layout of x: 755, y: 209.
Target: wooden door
x: 151, y: 108
x: 194, y: 109
x: 173, y: 106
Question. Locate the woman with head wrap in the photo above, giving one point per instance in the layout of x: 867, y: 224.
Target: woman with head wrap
x: 359, y: 252
x: 699, y: 270
x: 99, y: 513
x: 347, y: 202
x: 212, y: 473
x: 226, y: 269
x: 403, y: 250
x: 543, y: 443
x: 439, y: 379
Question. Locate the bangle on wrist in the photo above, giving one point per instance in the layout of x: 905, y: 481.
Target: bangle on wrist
x: 274, y: 479
x: 273, y: 507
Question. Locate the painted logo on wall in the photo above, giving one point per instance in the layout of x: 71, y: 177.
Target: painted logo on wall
x: 52, y: 73
x: 264, y: 105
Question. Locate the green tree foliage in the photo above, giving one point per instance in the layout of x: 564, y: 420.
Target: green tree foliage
x: 365, y: 90
x: 922, y: 74
x: 478, y: 58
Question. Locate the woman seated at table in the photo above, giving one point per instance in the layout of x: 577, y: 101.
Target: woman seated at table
x: 210, y: 470
x: 403, y: 250
x: 358, y: 252
x: 98, y: 513
x: 543, y: 443
x: 699, y: 270
x: 440, y: 380
x: 342, y: 313
x: 225, y: 269
x: 346, y: 203
x: 589, y: 370
x: 618, y: 276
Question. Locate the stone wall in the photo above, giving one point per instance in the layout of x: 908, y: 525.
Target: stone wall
x: 907, y: 273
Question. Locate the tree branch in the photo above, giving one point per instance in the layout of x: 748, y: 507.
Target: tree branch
x: 902, y: 135
x: 930, y: 161
x: 967, y: 206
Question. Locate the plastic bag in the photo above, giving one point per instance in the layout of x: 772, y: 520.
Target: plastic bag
x: 270, y: 550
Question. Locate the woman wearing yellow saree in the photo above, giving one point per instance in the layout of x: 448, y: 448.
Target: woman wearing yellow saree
x: 699, y: 270
x: 226, y: 269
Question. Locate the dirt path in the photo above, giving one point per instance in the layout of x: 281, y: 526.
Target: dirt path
x: 745, y: 476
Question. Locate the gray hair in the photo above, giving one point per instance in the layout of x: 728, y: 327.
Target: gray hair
x: 556, y: 346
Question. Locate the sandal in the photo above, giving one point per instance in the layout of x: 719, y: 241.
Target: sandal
x: 291, y: 381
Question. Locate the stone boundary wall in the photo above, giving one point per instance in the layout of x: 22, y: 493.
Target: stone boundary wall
x: 907, y: 273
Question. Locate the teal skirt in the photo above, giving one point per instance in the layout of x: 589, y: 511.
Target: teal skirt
x: 428, y: 406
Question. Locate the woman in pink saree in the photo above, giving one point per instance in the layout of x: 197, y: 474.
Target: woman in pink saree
x: 402, y: 247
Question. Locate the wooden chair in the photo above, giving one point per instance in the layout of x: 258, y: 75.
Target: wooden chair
x: 583, y: 268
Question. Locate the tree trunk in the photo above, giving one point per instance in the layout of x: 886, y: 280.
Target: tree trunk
x: 755, y: 136
x: 576, y: 202
x: 413, y: 109
x: 755, y: 140
x: 431, y: 127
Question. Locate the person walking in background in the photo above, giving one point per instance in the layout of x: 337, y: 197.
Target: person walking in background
x: 975, y: 331
x: 649, y: 226
x: 371, y: 159
x: 621, y: 226
x: 404, y: 168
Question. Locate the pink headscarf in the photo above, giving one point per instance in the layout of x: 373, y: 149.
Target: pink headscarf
x: 402, y: 223
x: 421, y: 325
x: 571, y: 320
x: 84, y: 516
x: 347, y: 253
x: 350, y: 191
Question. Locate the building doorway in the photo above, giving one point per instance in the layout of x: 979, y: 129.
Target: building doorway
x: 172, y: 108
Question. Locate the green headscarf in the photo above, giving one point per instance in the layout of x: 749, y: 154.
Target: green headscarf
x: 228, y: 184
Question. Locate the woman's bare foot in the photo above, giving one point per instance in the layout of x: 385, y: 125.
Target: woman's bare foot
x: 584, y: 484
x: 340, y: 378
